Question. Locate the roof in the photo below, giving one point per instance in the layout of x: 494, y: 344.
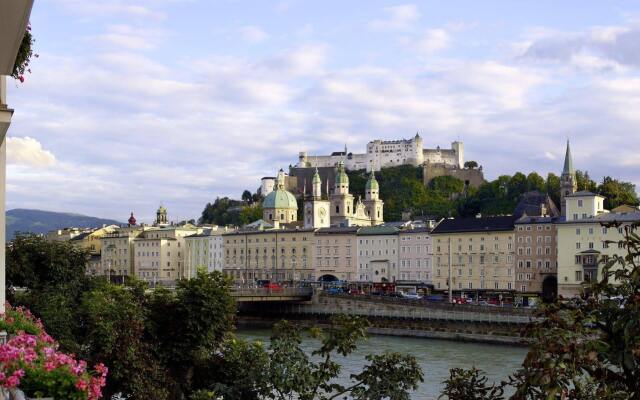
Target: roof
x: 525, y: 219
x: 280, y: 198
x: 268, y: 177
x: 341, y: 176
x: 583, y: 193
x: 338, y: 230
x: 475, y: 224
x: 378, y: 230
x: 267, y: 232
x: 606, y: 218
x: 568, y: 162
x: 372, y: 183
x: 625, y: 208
x: 532, y: 203
x: 415, y: 230
x: 81, y: 236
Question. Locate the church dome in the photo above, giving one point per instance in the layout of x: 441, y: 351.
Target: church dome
x: 372, y: 183
x: 280, y: 199
x: 341, y: 176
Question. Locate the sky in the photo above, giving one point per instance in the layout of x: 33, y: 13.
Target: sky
x: 134, y: 103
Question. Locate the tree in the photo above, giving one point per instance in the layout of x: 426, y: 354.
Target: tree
x: 471, y: 164
x: 292, y: 374
x: 113, y: 320
x: 470, y: 385
x: 617, y: 193
x: 584, y: 182
x: 247, y: 197
x: 224, y: 211
x: 553, y: 187
x: 187, y: 327
x: 36, y: 263
x: 535, y: 182
x: 250, y: 214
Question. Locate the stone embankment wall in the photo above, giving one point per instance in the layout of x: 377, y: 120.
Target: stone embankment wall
x: 402, y: 318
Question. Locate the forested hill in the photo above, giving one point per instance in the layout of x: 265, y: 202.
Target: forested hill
x: 402, y: 189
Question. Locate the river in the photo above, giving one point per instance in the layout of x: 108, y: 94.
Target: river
x: 436, y: 357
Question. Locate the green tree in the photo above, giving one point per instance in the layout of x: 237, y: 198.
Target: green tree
x: 113, y: 321
x: 187, y: 326
x: 470, y: 384
x: 617, y: 193
x: 584, y: 182
x: 535, y: 182
x: 247, y: 197
x: 224, y: 211
x: 36, y: 263
x: 292, y: 374
x: 250, y: 214
x: 553, y: 187
x: 471, y: 164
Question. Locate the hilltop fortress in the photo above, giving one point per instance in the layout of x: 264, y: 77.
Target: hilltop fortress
x: 388, y: 153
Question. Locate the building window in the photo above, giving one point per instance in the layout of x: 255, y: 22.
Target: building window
x: 579, y: 276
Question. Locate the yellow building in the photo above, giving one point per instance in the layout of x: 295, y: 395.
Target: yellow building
x: 91, y: 241
x: 160, y: 254
x: 117, y: 251
x: 474, y: 254
x: 278, y: 255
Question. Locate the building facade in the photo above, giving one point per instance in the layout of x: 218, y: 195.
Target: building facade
x: 536, y: 264
x: 474, y: 255
x: 117, y: 248
x: 377, y: 254
x: 415, y: 252
x: 160, y: 254
x: 388, y: 153
x: 205, y: 251
x: 278, y: 255
x: 586, y: 240
x: 335, y: 254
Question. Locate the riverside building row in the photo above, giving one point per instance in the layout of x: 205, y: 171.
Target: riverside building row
x: 540, y: 250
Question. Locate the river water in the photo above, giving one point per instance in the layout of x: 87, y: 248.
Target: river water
x: 436, y: 357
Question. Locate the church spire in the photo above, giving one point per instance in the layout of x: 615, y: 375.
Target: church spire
x: 568, y: 161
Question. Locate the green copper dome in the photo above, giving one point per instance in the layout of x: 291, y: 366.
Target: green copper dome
x: 280, y: 198
x: 372, y: 183
x: 341, y: 175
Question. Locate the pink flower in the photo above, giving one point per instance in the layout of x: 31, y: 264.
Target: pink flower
x: 81, y: 384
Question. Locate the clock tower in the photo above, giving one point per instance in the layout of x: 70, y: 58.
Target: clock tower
x: 316, y: 210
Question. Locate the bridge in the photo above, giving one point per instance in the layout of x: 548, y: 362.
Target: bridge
x: 247, y: 295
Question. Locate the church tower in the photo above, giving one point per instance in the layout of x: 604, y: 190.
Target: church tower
x: 341, y: 200
x: 316, y: 210
x: 161, y: 216
x: 374, y: 205
x: 568, y: 183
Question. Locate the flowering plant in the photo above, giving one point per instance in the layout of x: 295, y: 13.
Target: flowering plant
x: 32, y: 363
x: 20, y: 319
x: 23, y: 58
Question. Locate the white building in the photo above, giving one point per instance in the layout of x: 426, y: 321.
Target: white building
x: 205, y: 250
x: 415, y: 255
x: 389, y: 153
x: 377, y: 249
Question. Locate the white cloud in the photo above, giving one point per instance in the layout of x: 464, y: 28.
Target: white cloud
x: 28, y: 151
x: 253, y: 34
x: 131, y: 38
x: 401, y: 17
x: 433, y: 40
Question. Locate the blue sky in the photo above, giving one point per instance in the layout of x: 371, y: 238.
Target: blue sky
x: 132, y: 103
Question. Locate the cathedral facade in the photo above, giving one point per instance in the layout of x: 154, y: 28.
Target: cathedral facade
x: 340, y: 207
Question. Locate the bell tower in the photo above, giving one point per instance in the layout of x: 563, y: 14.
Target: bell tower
x: 568, y: 183
x: 374, y: 206
x: 316, y: 210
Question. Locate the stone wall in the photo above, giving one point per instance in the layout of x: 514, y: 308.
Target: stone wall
x: 471, y: 177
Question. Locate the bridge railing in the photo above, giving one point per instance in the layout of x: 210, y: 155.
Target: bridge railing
x: 280, y: 292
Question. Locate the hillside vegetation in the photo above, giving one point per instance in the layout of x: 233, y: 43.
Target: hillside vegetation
x: 39, y: 221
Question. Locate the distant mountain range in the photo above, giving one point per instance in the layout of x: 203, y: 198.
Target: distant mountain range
x: 39, y: 221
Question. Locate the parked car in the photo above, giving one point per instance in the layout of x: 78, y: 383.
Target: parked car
x: 398, y: 295
x: 486, y: 303
x: 411, y: 296
x: 435, y: 298
x: 356, y: 292
x: 274, y: 287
